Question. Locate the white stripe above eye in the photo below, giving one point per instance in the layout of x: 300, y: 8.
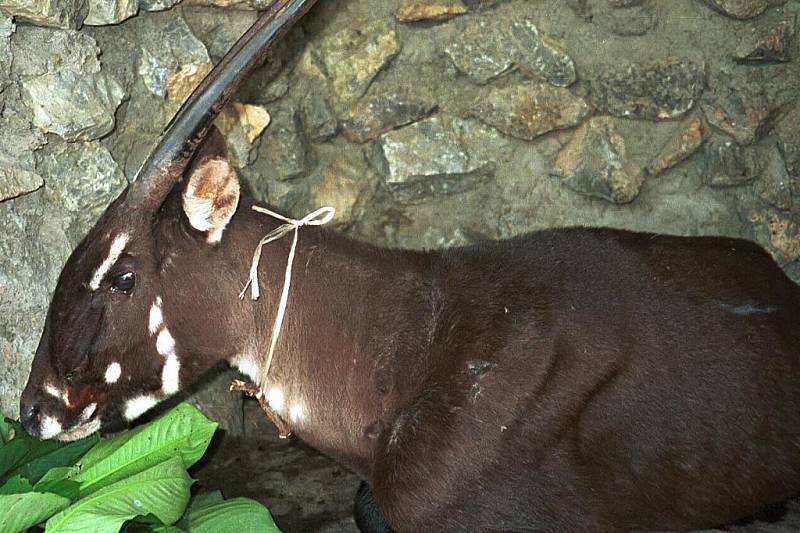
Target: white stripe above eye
x: 56, y: 393
x: 117, y: 247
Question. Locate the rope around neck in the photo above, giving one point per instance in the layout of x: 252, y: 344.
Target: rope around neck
x: 321, y: 216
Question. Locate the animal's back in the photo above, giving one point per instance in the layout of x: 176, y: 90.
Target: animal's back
x: 607, y: 379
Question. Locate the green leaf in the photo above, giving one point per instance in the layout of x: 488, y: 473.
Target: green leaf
x: 63, y: 455
x: 168, y: 529
x: 59, y: 472
x: 16, y: 485
x: 55, y: 481
x: 7, y: 429
x: 13, y: 454
x: 63, y: 487
x: 162, y: 490
x: 239, y: 515
x: 20, y: 450
x: 18, y: 512
x: 104, y: 448
x: 206, y: 499
x: 135, y: 527
x: 198, y: 502
x: 139, y: 527
x: 184, y: 431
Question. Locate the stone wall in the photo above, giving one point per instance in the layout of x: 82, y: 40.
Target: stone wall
x: 425, y: 123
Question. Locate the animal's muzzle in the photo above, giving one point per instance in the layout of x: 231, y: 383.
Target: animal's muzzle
x: 30, y: 415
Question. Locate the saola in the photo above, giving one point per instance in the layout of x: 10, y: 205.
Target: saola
x: 571, y: 379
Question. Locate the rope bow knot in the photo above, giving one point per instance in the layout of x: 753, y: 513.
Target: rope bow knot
x: 321, y: 216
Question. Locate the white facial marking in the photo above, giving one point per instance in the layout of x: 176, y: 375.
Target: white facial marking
x: 83, y: 428
x: 117, y: 247
x: 56, y: 393
x: 52, y: 391
x: 296, y: 413
x: 88, y: 411
x: 156, y: 317
x: 113, y: 372
x: 137, y: 406
x: 50, y: 427
x: 170, y: 375
x: 80, y: 431
x: 275, y: 398
x: 247, y: 365
x: 165, y: 344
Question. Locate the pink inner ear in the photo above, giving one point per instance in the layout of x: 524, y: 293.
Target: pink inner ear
x: 211, y: 195
x: 211, y: 178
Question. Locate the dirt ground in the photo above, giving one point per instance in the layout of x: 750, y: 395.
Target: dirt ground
x: 304, y: 490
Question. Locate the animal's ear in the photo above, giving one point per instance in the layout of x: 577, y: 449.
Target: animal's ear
x: 212, y: 188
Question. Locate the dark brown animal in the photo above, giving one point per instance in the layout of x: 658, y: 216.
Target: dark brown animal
x: 564, y: 380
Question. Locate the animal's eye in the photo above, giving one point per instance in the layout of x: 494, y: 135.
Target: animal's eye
x: 123, y: 282
x: 70, y: 376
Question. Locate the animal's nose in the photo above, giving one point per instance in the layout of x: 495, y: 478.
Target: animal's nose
x: 31, y: 417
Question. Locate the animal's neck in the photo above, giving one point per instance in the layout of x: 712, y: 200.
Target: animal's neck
x: 356, y: 329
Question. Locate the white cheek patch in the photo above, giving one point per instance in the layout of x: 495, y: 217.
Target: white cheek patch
x: 113, y: 372
x: 170, y: 374
x: 137, y: 406
x: 117, y: 247
x: 156, y: 317
x: 165, y: 343
x: 275, y: 398
x: 50, y: 427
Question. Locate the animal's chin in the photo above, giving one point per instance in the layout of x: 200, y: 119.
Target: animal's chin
x: 88, y: 423
x: 80, y: 431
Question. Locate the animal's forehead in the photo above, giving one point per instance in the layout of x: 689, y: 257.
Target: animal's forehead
x: 131, y: 229
x: 110, y: 238
x: 117, y: 219
x: 96, y: 248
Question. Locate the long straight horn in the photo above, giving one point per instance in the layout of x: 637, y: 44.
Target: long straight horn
x: 188, y: 128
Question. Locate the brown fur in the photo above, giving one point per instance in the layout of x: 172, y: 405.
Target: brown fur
x: 570, y: 379
x: 565, y: 379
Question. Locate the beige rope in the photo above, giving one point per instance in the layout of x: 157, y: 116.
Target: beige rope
x: 321, y: 216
